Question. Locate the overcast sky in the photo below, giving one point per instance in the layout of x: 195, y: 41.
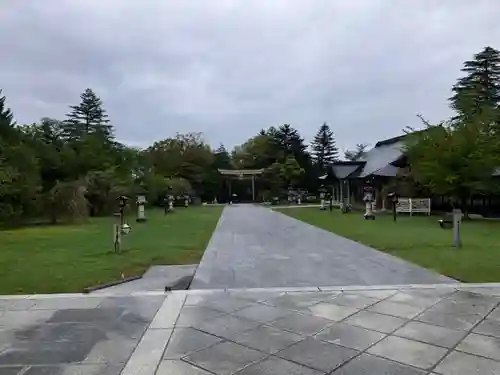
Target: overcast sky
x: 229, y: 68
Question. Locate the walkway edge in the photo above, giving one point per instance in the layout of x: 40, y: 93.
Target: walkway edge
x: 277, y: 289
x: 148, y: 354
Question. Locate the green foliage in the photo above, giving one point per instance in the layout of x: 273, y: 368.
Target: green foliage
x: 88, y: 117
x: 479, y: 90
x: 357, y: 153
x: 6, y: 119
x: 290, y: 171
x: 456, y: 158
x: 324, y: 148
x: 66, y: 200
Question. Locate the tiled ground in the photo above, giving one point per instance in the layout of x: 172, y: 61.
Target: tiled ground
x: 72, y: 335
x: 445, y: 330
x: 255, y: 247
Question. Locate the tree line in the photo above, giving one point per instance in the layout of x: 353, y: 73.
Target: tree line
x: 65, y: 169
x: 460, y: 157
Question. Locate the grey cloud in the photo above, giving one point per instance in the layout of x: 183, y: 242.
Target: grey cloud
x: 229, y: 68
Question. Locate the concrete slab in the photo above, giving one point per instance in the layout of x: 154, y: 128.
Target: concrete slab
x: 254, y: 332
x: 156, y: 278
x: 255, y: 247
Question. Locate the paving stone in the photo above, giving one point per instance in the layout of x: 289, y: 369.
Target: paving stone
x: 169, y: 312
x: 458, y: 363
x: 396, y: 309
x: 255, y: 296
x: 294, y: 302
x: 377, y: 294
x: 437, y: 292
x: 375, y: 321
x: 15, y: 370
x: 408, y: 352
x: 144, y: 306
x: 267, y: 339
x: 481, y: 345
x: 315, y: 296
x: 111, y: 351
x: 51, y: 344
x: 430, y: 334
x: 367, y: 364
x: 453, y: 321
x: 495, y: 314
x: 255, y: 247
x: 186, y: 340
x: 227, y: 325
x: 16, y: 304
x: 76, y: 369
x: 331, y: 311
x: 227, y: 304
x: 178, y: 367
x: 449, y: 306
x: 148, y: 354
x: 225, y: 358
x: 476, y: 299
x: 66, y: 303
x: 262, y: 313
x: 19, y: 319
x: 488, y: 327
x: 354, y: 300
x: 192, y: 315
x: 302, y: 324
x: 414, y: 299
x: 319, y: 355
x: 205, y: 297
x: 275, y: 365
x: 349, y: 336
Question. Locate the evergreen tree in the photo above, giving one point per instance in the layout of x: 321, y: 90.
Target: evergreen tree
x: 222, y: 159
x: 324, y: 148
x: 6, y: 119
x: 88, y: 118
x: 478, y: 92
x: 358, y: 153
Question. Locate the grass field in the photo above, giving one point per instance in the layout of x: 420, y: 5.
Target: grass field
x: 55, y: 259
x: 419, y: 240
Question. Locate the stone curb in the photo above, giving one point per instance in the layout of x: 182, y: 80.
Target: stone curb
x: 277, y: 289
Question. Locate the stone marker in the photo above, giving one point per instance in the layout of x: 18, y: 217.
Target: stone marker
x: 120, y: 227
x: 141, y: 215
x: 457, y: 222
x: 368, y: 199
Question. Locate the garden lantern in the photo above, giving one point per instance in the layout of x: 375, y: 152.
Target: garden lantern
x: 394, y: 201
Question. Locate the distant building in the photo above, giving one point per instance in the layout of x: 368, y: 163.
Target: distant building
x: 381, y: 165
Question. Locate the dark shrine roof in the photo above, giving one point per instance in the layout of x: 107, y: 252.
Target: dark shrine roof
x: 376, y: 162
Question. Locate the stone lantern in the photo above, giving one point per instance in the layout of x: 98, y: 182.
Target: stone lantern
x: 120, y: 228
x: 369, y: 198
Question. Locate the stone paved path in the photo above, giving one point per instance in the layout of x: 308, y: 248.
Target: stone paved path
x: 441, y: 329
x: 254, y: 247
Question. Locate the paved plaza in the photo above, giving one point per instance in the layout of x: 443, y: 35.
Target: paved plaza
x: 441, y: 329
x: 255, y: 247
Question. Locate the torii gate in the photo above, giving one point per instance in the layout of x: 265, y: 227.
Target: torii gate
x: 241, y: 173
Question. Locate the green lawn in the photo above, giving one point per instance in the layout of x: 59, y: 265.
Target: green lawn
x: 55, y: 259
x: 419, y: 240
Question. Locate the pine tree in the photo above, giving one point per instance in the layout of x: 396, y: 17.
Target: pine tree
x: 478, y: 92
x: 6, y: 118
x: 358, y: 153
x: 222, y: 158
x: 89, y: 117
x: 324, y: 148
